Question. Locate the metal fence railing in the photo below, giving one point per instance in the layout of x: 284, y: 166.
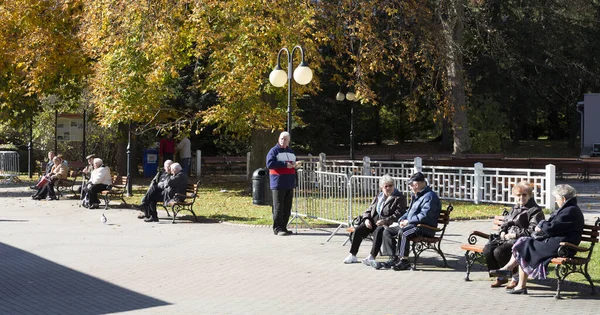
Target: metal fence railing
x: 337, y: 191
x: 9, y: 165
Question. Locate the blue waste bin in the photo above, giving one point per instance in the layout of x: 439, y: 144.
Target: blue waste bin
x: 150, y: 162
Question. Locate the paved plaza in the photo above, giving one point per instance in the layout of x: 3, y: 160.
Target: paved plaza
x: 58, y: 258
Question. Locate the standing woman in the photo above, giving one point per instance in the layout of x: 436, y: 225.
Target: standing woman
x: 386, y: 208
x: 533, y: 254
x: 281, y: 162
x: 519, y: 222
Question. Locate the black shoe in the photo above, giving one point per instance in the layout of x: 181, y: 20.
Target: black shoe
x: 36, y: 197
x: 387, y: 265
x: 151, y: 219
x: 33, y: 187
x: 94, y: 206
x: 288, y: 232
x: 142, y: 216
x: 404, y: 264
x: 517, y: 291
x: 500, y: 273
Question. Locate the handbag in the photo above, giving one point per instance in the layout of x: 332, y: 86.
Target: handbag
x: 43, y: 182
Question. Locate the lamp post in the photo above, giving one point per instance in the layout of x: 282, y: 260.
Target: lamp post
x: 351, y: 97
x: 302, y: 75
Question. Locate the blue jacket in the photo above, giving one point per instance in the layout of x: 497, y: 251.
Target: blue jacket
x: 424, y: 208
x: 281, y: 177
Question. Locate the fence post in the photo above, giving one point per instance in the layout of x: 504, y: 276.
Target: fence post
x: 550, y: 183
x: 418, y: 165
x: 322, y: 160
x: 198, y: 163
x: 366, y: 166
x: 478, y: 181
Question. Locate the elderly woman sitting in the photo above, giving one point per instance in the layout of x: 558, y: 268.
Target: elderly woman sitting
x: 519, y: 222
x: 533, y: 254
x: 58, y: 171
x: 99, y: 181
x: 385, y: 209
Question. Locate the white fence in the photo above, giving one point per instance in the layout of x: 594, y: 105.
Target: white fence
x: 337, y: 191
x: 9, y: 164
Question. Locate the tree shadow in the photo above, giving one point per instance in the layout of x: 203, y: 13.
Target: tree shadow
x: 34, y: 285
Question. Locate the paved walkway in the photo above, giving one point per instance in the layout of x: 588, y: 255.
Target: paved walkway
x: 57, y: 258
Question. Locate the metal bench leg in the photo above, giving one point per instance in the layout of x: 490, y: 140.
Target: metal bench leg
x: 106, y: 201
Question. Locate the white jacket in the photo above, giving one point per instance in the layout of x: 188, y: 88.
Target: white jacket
x: 101, y: 175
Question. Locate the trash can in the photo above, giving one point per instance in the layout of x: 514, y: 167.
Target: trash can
x: 150, y: 162
x: 259, y: 187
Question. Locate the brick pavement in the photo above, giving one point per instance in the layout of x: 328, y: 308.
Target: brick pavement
x: 57, y: 258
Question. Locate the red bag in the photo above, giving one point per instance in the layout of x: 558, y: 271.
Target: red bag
x: 43, y: 182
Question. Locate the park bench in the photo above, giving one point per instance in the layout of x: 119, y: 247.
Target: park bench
x: 191, y: 193
x: 474, y: 251
x: 422, y: 243
x: 65, y: 185
x: 116, y: 189
x: 564, y: 264
x: 236, y: 164
x: 213, y: 164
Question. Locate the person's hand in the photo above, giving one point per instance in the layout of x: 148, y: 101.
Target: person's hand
x: 368, y: 223
x: 403, y: 223
x: 502, y: 235
x: 380, y: 222
x: 290, y: 164
x: 537, y: 229
x: 510, y: 236
x: 89, y: 186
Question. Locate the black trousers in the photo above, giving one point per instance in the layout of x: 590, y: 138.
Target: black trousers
x: 151, y: 189
x: 401, y: 247
x: 282, y: 208
x: 93, y: 193
x: 150, y: 205
x: 497, y: 254
x: 362, y: 231
x: 46, y: 191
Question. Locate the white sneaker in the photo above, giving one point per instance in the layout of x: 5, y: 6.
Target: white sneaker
x: 350, y: 259
x: 367, y: 261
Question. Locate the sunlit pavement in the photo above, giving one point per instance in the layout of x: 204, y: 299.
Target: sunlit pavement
x: 58, y: 258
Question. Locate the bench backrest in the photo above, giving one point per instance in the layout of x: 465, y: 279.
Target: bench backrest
x: 191, y: 191
x: 590, y: 234
x: 444, y: 219
x: 119, y: 180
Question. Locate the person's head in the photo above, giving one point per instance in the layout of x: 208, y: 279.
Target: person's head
x: 175, y: 168
x: 417, y: 182
x: 522, y: 191
x: 90, y: 159
x: 284, y: 139
x: 167, y: 166
x: 51, y: 156
x: 56, y: 160
x: 97, y: 162
x: 562, y: 193
x: 386, y: 183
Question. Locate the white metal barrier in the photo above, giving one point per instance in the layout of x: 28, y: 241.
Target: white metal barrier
x: 346, y: 188
x: 9, y: 165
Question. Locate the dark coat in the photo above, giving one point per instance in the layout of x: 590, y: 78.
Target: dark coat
x: 522, y: 220
x: 564, y: 225
x: 393, y: 208
x: 175, y: 184
x: 425, y: 208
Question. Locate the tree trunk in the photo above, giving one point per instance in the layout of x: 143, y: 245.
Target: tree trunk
x: 451, y: 14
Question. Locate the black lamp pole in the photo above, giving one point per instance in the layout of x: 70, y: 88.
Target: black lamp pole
x: 30, y: 149
x: 352, y: 130
x: 129, y: 161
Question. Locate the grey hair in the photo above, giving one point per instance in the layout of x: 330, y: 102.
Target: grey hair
x: 168, y: 162
x: 176, y: 167
x: 565, y: 191
x: 386, y: 179
x: 285, y: 134
x: 98, y: 161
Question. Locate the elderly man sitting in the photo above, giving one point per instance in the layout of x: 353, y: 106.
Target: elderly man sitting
x: 157, y: 184
x: 174, y: 190
x: 99, y: 180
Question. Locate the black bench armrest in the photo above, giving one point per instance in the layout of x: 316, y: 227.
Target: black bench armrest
x: 431, y: 228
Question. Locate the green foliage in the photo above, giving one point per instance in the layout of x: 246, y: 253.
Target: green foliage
x: 488, y: 122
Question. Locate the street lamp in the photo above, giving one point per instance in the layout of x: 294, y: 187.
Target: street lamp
x: 302, y: 75
x: 351, y: 97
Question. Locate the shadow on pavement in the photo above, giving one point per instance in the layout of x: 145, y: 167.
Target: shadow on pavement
x: 33, y: 285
